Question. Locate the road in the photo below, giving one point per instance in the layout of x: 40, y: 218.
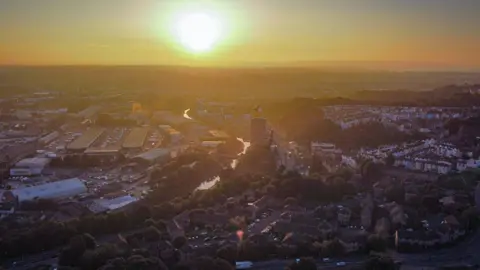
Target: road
x: 464, y: 252
x: 331, y: 264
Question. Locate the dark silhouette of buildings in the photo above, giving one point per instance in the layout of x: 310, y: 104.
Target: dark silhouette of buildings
x: 258, y: 131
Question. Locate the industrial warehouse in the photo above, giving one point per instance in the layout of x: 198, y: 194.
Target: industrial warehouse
x: 30, y: 166
x: 136, y: 138
x: 85, y: 140
x: 53, y: 190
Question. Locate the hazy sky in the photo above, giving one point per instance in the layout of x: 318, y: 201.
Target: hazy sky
x: 406, y: 33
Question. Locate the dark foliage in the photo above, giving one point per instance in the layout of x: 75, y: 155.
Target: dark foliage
x: 303, y: 264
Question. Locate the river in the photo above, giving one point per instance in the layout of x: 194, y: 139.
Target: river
x: 185, y: 114
x: 208, y: 184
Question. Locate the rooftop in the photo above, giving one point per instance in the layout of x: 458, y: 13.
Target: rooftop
x: 112, y: 204
x: 87, y: 139
x: 63, y: 188
x: 153, y: 154
x: 136, y: 138
x: 35, y: 161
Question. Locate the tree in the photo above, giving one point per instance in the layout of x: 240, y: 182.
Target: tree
x: 228, y: 253
x: 90, y: 242
x: 370, y: 171
x: 151, y: 234
x: 470, y: 216
x: 221, y: 264
x: 333, y: 248
x: 179, y: 242
x: 390, y: 160
x: 291, y: 201
x: 150, y: 263
x: 453, y: 126
x: 303, y: 264
x: 204, y: 263
x: 71, y: 255
x: 376, y: 243
x: 182, y: 266
x: 345, y: 173
x: 430, y: 202
x: 380, y: 263
x: 395, y: 193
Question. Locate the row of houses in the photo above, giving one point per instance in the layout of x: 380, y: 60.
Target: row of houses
x: 446, y: 233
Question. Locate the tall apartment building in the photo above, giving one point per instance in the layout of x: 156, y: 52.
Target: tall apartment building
x: 258, y: 131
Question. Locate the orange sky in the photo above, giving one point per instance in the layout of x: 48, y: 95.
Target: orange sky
x: 443, y: 33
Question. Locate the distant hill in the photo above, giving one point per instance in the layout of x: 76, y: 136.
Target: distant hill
x: 230, y: 82
x: 458, y: 89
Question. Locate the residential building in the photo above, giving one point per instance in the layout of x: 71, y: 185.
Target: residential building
x: 258, y: 131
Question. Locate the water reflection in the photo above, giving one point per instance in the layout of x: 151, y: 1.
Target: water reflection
x: 209, y: 184
x: 185, y: 114
x: 246, y: 145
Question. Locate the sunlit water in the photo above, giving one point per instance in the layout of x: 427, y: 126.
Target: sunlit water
x: 185, y: 114
x: 208, y: 184
x: 246, y: 145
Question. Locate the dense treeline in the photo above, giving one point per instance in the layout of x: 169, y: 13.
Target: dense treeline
x: 258, y: 159
x: 231, y: 147
x: 303, y: 121
x: 47, y: 235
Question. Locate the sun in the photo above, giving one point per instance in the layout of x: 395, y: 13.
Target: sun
x: 197, y: 31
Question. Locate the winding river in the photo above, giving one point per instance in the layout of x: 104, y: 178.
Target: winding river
x: 208, y: 184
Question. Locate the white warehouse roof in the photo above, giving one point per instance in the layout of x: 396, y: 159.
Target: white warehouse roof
x: 54, y: 190
x: 33, y: 162
x: 112, y: 204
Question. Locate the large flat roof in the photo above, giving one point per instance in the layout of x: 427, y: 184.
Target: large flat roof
x: 87, y: 139
x: 112, y: 204
x: 52, y: 190
x: 35, y: 161
x: 136, y: 138
x: 103, y: 150
x: 153, y: 154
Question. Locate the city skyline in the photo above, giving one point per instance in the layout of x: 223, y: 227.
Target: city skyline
x: 440, y: 35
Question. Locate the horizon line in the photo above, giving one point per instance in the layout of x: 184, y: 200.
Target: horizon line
x: 337, y: 68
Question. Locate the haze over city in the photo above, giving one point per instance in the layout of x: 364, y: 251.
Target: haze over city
x: 239, y: 134
x: 372, y: 34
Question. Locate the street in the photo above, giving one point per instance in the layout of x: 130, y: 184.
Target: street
x: 464, y: 252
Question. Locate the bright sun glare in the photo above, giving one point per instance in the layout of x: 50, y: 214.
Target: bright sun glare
x: 198, y: 32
